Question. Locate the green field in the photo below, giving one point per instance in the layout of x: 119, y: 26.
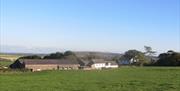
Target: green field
x: 5, y: 63
x: 10, y: 57
x: 122, y: 79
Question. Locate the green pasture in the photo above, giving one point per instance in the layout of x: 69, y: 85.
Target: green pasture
x: 122, y: 79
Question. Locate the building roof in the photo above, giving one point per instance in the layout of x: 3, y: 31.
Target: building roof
x: 98, y: 61
x: 50, y: 61
x: 103, y: 61
x: 112, y: 62
x: 84, y: 62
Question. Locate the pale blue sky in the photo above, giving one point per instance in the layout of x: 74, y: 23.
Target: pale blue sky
x: 91, y: 25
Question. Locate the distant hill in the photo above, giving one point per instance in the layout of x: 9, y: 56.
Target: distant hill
x: 14, y: 56
x: 105, y: 55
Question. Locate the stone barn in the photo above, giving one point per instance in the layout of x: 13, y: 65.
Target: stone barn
x: 48, y: 64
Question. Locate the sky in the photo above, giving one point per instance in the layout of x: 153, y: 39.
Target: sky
x: 89, y: 25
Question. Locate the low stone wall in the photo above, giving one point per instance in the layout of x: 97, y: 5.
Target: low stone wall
x: 41, y: 67
x: 51, y: 67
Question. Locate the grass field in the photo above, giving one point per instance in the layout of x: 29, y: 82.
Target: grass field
x: 10, y: 57
x: 5, y: 63
x: 122, y: 79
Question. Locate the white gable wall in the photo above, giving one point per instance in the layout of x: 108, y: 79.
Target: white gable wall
x: 111, y: 66
x: 98, y: 65
x: 103, y: 65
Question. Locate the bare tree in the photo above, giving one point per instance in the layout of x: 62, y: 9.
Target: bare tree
x: 149, y: 51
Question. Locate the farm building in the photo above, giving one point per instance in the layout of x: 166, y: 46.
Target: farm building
x: 62, y: 64
x: 100, y: 63
x: 46, y: 64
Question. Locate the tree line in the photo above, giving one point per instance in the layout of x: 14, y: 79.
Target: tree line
x: 170, y: 58
x: 58, y: 55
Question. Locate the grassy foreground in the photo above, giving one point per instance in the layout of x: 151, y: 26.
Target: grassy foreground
x: 122, y: 79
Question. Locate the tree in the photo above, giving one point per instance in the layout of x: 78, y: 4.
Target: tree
x: 149, y: 51
x: 170, y: 58
x: 142, y: 59
x: 131, y: 54
x: 68, y: 53
x: 56, y: 55
x: 116, y: 58
x: 31, y: 57
x: 137, y: 57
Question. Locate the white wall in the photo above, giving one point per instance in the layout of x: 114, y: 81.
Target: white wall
x: 103, y: 65
x: 98, y: 65
x: 111, y: 66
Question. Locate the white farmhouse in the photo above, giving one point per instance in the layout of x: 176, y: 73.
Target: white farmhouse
x: 100, y: 63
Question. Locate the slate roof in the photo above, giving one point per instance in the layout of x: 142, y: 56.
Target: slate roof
x: 112, y: 62
x: 98, y: 61
x: 49, y: 61
x: 103, y: 61
x: 84, y: 62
